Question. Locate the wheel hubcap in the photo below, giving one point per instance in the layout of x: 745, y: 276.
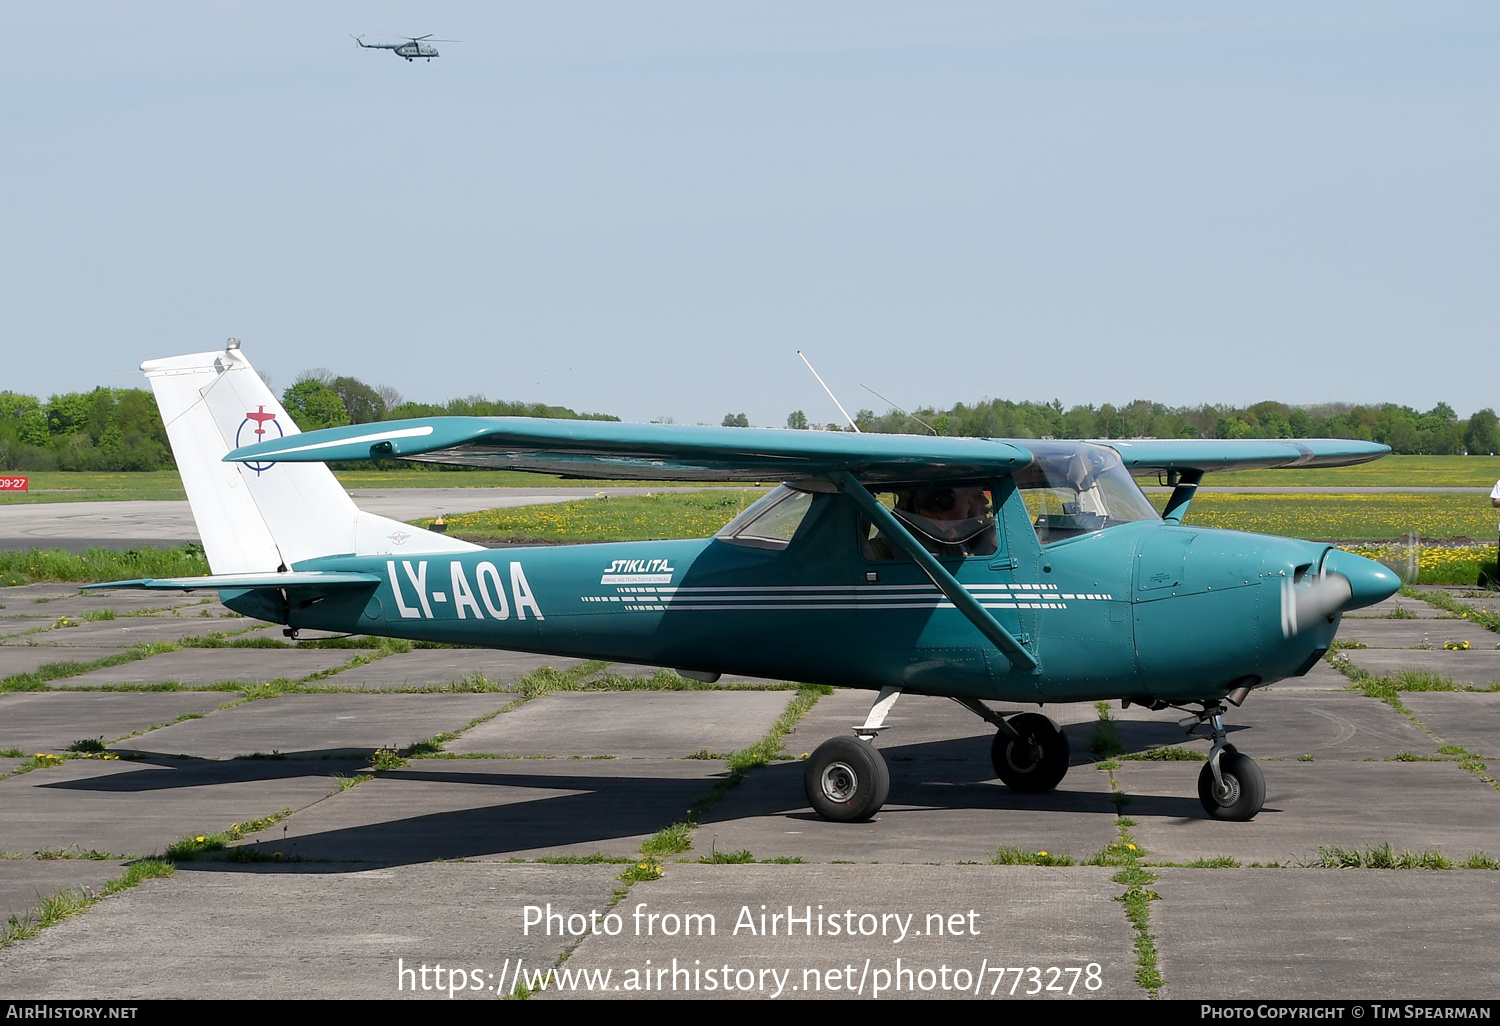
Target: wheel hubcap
x: 1023, y: 755
x: 840, y: 782
x: 1229, y: 793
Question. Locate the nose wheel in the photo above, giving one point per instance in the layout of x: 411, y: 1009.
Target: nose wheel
x: 1231, y: 786
x: 1238, y: 793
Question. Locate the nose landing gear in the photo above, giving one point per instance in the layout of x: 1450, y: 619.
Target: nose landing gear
x: 1231, y: 786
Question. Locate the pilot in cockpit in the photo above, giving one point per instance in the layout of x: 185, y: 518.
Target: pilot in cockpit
x: 949, y: 522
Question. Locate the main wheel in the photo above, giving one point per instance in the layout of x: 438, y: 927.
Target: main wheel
x: 847, y: 780
x: 1037, y: 760
x: 1244, y: 790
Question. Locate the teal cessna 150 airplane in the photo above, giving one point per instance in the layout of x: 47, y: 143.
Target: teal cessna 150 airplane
x: 983, y: 570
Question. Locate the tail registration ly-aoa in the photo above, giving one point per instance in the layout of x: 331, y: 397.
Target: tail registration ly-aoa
x: 983, y: 570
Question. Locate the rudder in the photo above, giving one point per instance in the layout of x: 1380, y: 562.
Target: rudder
x: 259, y: 516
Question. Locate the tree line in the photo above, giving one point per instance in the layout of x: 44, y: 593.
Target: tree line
x: 1437, y: 432
x: 114, y: 429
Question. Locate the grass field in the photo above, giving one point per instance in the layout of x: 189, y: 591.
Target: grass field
x: 1344, y: 517
x: 100, y: 564
x: 1390, y: 472
x: 1372, y: 518
x: 1338, y: 517
x: 70, y: 486
x: 623, y: 518
x: 1350, y: 519
x: 1360, y: 522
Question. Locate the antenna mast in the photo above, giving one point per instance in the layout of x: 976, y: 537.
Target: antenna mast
x: 913, y: 416
x: 830, y: 392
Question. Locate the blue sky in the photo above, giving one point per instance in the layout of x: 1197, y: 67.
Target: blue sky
x: 648, y: 208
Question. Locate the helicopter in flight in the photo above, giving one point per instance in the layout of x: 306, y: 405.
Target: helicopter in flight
x: 414, y: 47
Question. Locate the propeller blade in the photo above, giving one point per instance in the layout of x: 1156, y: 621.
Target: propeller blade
x: 1304, y: 605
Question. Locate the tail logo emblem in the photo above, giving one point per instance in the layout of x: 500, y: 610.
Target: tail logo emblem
x: 260, y: 418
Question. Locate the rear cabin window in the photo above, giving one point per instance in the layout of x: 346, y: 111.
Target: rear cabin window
x: 770, y: 522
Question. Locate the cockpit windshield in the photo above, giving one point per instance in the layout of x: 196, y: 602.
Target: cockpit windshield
x: 1074, y: 488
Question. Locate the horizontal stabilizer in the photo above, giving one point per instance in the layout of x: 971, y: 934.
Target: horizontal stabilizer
x: 304, y: 579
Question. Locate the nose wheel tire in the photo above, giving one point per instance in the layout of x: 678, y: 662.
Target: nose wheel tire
x: 846, y: 780
x: 1037, y: 760
x: 1244, y: 790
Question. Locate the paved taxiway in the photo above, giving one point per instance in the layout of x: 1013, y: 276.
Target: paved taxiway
x: 438, y: 860
x: 120, y: 524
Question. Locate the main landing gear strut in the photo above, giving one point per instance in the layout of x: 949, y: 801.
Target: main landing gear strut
x: 847, y: 779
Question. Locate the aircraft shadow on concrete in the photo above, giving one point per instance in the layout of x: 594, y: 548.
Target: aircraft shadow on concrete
x: 1136, y: 736
x: 597, y: 809
x: 195, y: 772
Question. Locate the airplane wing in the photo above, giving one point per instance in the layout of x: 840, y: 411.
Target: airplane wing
x: 665, y: 452
x: 1159, y: 455
x: 647, y: 452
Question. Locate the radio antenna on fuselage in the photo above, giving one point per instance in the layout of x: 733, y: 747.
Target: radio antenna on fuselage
x: 898, y: 409
x: 830, y: 392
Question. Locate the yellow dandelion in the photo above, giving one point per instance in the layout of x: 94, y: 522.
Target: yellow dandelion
x: 200, y: 838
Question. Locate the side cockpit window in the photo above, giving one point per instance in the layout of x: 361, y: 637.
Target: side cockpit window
x: 771, y: 522
x: 950, y: 521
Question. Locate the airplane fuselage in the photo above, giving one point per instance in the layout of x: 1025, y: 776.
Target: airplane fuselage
x: 1147, y: 611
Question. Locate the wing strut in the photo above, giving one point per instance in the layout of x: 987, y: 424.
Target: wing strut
x: 896, y: 531
x: 1184, y: 487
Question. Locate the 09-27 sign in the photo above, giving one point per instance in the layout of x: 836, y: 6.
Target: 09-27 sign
x: 13, y: 484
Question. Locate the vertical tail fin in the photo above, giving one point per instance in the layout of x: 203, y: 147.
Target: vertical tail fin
x: 259, y: 516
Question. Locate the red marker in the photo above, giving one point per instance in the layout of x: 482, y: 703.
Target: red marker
x: 260, y: 420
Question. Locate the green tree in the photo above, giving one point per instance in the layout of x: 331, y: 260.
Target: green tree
x: 1481, y: 434
x: 736, y: 420
x: 314, y: 405
x: 22, y: 419
x: 362, y: 403
x: 796, y: 420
